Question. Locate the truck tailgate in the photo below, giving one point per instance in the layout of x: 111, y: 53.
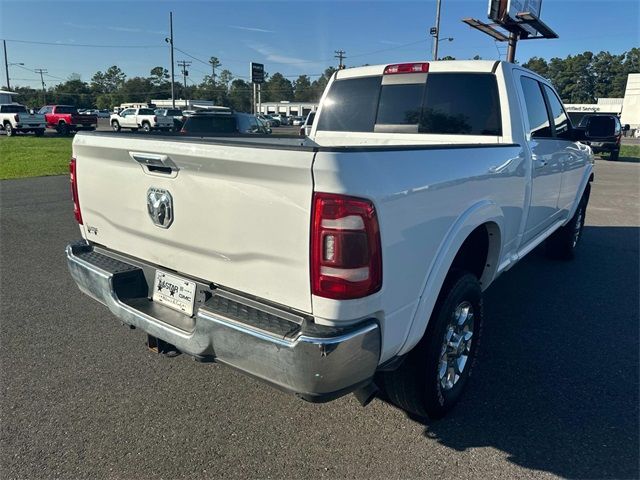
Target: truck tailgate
x: 241, y: 212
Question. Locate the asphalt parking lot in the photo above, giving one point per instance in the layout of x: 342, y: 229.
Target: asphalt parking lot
x: 555, y: 392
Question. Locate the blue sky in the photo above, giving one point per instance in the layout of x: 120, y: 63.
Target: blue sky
x: 289, y: 37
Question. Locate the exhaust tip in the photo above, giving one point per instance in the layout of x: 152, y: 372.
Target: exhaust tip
x: 366, y: 394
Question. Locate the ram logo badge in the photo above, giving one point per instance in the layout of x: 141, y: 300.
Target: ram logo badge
x: 160, y: 207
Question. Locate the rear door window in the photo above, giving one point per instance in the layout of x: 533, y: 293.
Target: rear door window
x: 66, y: 109
x: 146, y: 111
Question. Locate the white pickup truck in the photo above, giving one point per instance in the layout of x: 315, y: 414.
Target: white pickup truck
x: 140, y: 119
x: 350, y: 260
x: 15, y: 118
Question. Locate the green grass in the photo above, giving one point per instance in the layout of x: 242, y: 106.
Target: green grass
x: 28, y: 156
x: 630, y: 153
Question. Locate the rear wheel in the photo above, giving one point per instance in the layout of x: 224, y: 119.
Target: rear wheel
x: 115, y: 126
x: 431, y: 380
x: 614, y: 155
x: 39, y: 132
x: 561, y: 245
x: 9, y: 129
x: 146, y: 126
x: 63, y: 128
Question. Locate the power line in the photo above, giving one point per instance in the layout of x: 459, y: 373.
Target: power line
x: 61, y: 44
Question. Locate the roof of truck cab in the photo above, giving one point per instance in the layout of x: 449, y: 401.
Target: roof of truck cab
x: 434, y: 66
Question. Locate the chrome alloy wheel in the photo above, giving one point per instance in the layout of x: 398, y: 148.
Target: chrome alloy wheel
x: 578, y: 227
x: 456, y: 346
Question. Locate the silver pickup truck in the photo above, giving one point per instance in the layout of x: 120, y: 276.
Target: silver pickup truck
x: 350, y: 260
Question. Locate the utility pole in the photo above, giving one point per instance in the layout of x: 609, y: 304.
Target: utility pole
x: 185, y: 73
x: 340, y: 54
x: 6, y: 64
x: 511, y: 47
x: 42, y: 71
x: 436, y: 30
x: 215, y: 63
x: 169, y: 40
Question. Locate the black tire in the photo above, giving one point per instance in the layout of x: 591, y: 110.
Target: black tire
x: 146, y: 127
x: 416, y: 386
x: 39, y: 132
x: 614, y: 155
x: 8, y: 128
x: 115, y: 126
x: 63, y: 129
x: 562, y: 244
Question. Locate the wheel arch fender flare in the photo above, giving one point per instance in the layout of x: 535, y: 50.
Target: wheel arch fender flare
x: 486, y: 213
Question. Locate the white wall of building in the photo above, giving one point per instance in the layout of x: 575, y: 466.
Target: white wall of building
x: 631, y: 104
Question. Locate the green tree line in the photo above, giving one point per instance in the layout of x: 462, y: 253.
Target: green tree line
x: 111, y: 87
x: 580, y: 78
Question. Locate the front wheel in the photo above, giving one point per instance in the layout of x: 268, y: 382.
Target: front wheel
x: 561, y: 245
x: 432, y: 378
x: 614, y: 155
x: 115, y: 126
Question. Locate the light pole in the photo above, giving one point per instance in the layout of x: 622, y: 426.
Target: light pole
x: 448, y: 39
x: 7, y: 64
x: 435, y: 32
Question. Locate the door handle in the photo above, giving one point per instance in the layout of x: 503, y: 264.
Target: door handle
x: 154, y: 163
x: 540, y: 164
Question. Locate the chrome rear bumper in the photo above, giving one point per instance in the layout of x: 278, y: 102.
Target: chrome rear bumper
x: 286, y: 350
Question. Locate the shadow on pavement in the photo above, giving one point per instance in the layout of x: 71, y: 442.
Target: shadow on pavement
x: 556, y: 385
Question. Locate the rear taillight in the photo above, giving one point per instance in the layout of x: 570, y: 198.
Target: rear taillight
x: 155, y: 119
x: 346, y: 260
x: 74, y: 190
x: 16, y: 118
x: 406, y: 68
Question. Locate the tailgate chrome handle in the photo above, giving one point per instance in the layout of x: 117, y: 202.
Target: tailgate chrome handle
x: 154, y: 163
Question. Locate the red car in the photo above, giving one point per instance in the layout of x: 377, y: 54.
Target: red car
x: 65, y: 119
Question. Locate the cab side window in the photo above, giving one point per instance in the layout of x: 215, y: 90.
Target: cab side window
x: 536, y: 109
x: 561, y: 121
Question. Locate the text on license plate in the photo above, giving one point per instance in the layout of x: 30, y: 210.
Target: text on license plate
x: 174, y: 292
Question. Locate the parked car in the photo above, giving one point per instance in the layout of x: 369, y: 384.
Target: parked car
x: 174, y: 113
x: 350, y: 261
x: 283, y: 119
x: 65, y: 119
x: 605, y: 134
x: 269, y: 120
x: 15, y: 118
x: 305, y: 129
x: 297, y: 121
x: 212, y: 123
x: 274, y: 121
x: 140, y: 118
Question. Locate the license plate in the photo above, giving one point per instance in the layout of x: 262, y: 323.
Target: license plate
x: 174, y: 292
x: 596, y: 144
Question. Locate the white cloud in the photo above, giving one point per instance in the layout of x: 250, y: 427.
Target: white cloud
x: 272, y: 55
x: 251, y: 29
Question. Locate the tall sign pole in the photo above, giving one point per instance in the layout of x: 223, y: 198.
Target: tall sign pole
x: 436, y: 35
x: 256, y: 73
x: 6, y: 64
x: 173, y: 80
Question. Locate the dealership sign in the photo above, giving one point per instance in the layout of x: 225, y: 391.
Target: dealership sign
x: 592, y: 108
x: 257, y: 72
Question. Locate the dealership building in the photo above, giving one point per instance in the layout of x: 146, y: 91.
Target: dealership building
x: 288, y: 108
x: 627, y: 108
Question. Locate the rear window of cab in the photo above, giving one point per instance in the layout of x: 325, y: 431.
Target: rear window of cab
x: 446, y: 103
